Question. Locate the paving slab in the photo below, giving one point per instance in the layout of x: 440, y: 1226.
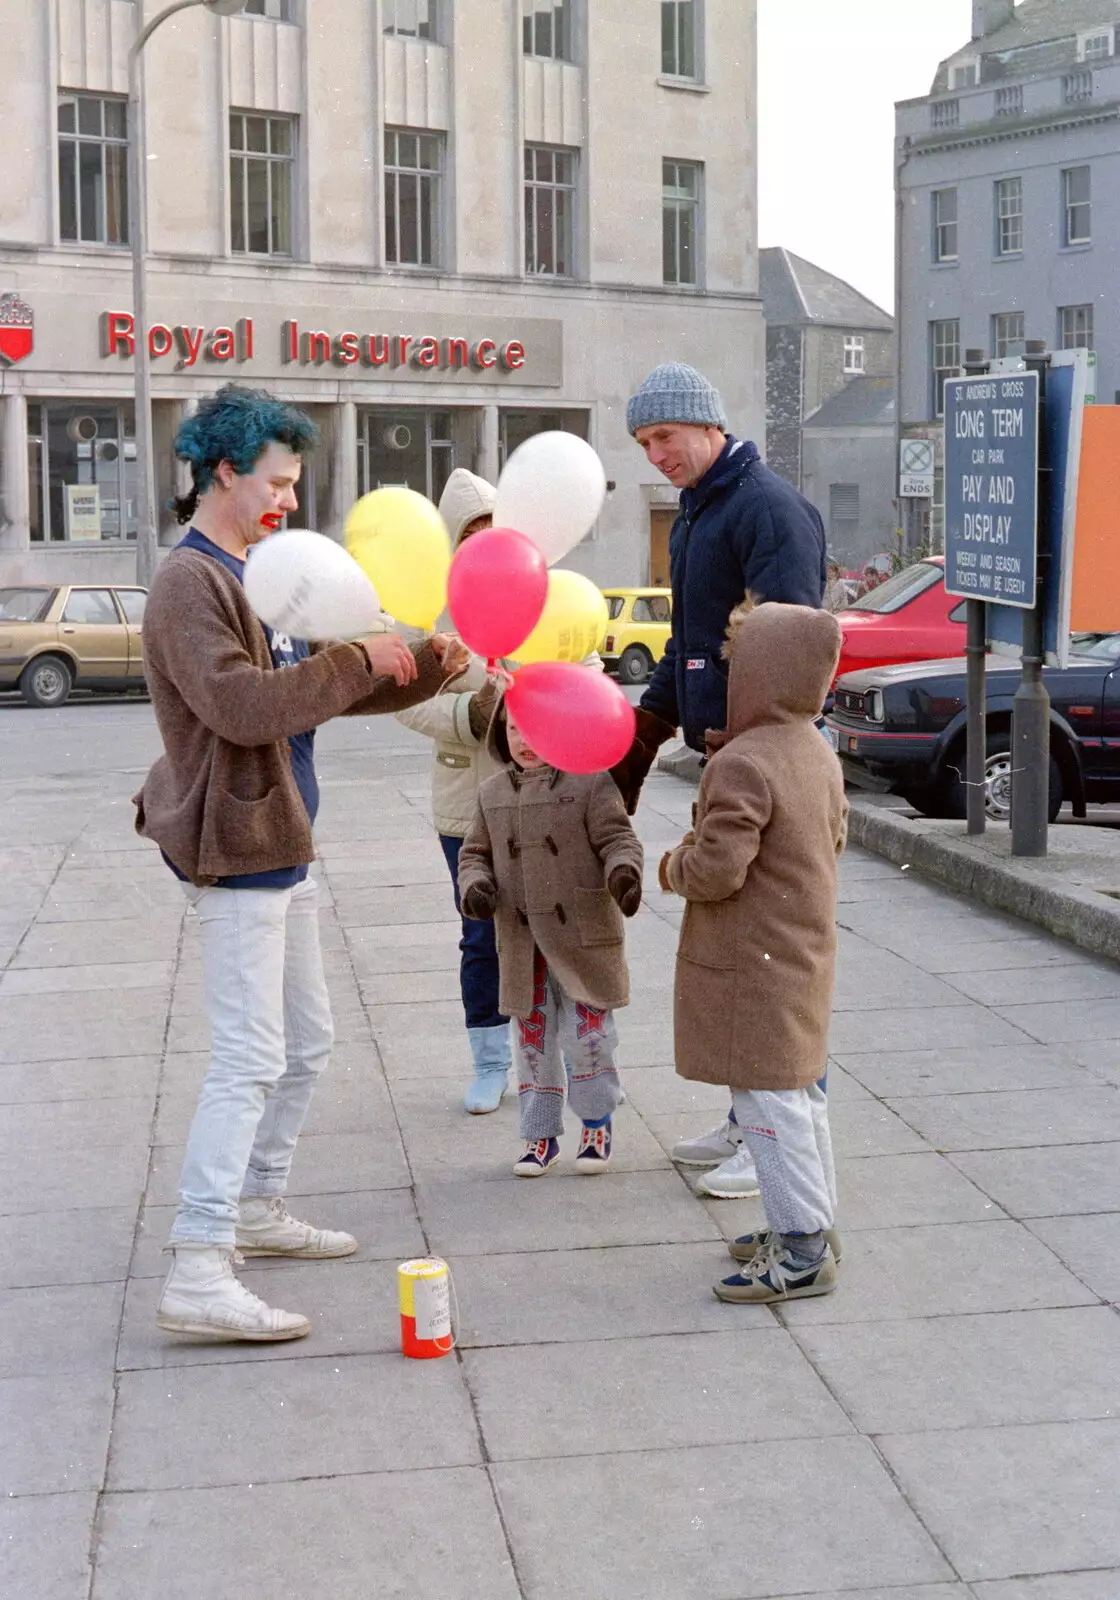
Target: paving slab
x: 85, y: 1245
x: 1011, y: 1119
x: 668, y: 1525
x: 891, y: 1073
x: 57, y: 1125
x: 113, y: 1176
x: 1089, y: 1247
x: 1008, y: 1502
x: 1064, y: 1180
x: 319, y: 1418
x: 56, y: 1434
x: 54, y: 1329
x: 325, y: 1163
x: 594, y: 1397
x: 395, y: 1535
x: 63, y: 980
x: 968, y: 1024
x: 1085, y: 980
x: 965, y: 1372
x: 1057, y: 1022
x: 78, y: 944
x: 44, y: 1546
x: 84, y: 1025
x: 1099, y: 1585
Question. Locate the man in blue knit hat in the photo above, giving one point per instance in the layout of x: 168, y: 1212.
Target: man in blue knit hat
x: 741, y: 530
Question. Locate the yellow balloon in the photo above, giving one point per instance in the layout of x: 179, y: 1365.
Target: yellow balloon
x: 572, y: 623
x: 399, y: 540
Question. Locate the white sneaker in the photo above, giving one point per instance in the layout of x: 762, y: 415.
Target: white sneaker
x: 202, y: 1297
x: 711, y: 1148
x: 735, y: 1179
x: 267, y: 1228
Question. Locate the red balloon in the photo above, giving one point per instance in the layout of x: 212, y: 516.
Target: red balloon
x: 575, y: 718
x: 496, y: 591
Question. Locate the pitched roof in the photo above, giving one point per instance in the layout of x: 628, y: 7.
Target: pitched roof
x: 1040, y: 22
x: 864, y: 402
x: 795, y: 291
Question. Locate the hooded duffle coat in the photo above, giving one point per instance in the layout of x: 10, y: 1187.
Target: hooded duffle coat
x: 549, y: 841
x: 757, y: 953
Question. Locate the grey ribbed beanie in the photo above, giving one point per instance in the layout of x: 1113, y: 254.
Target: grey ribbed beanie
x: 675, y: 393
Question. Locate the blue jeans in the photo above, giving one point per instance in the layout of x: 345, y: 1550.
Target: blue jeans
x: 478, y: 965
x: 271, y: 1036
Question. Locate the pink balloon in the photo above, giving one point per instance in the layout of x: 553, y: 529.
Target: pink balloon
x: 576, y: 719
x: 496, y: 591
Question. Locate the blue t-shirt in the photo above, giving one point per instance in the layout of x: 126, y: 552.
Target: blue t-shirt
x: 285, y: 652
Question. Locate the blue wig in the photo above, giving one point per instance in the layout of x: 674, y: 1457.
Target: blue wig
x: 236, y: 425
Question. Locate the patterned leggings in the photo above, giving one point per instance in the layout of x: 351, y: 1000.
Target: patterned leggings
x: 587, y: 1036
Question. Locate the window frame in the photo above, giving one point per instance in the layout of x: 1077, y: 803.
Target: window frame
x: 965, y: 74
x: 940, y: 373
x: 75, y: 140
x: 531, y: 186
x: 671, y: 68
x: 287, y: 161
x: 941, y: 255
x: 393, y: 30
x: 676, y: 205
x: 43, y: 480
x: 1089, y: 36
x: 1070, y: 239
x: 1005, y: 234
x: 855, y: 355
x: 1072, y: 338
x: 285, y: 7
x: 532, y: 11
x: 394, y: 171
x: 1002, y: 337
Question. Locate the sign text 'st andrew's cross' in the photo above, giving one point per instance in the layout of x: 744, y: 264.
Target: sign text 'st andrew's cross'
x: 311, y: 348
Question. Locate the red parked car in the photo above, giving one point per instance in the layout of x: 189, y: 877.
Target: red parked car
x: 908, y: 617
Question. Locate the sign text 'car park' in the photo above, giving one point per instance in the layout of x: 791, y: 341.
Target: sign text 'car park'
x: 991, y: 488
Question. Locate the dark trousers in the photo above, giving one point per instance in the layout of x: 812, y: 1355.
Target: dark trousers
x: 478, y: 964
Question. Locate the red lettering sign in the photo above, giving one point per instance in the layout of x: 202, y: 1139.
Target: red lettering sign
x: 116, y: 333
x: 161, y: 340
x: 513, y: 355
x: 189, y: 341
x: 347, y: 349
x: 375, y: 349
x: 403, y: 342
x: 486, y: 353
x: 457, y: 353
x: 316, y: 347
x: 428, y: 353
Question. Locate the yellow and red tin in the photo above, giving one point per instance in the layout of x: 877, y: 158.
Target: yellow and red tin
x: 425, y: 1296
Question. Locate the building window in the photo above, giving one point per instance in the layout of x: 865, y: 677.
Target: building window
x: 854, y: 354
x: 843, y: 513
x: 965, y: 76
x: 410, y: 19
x: 278, y: 10
x: 1009, y: 101
x: 1009, y: 332
x: 1077, y: 86
x: 945, y: 113
x: 550, y: 198
x: 1009, y: 216
x: 945, y: 225
x: 680, y: 53
x: 412, y: 197
x: 945, y: 358
x: 1075, y: 328
x: 680, y: 222
x: 546, y: 30
x: 414, y: 448
x: 261, y: 170
x: 82, y: 472
x: 92, y: 169
x: 1095, y: 46
x: 517, y: 426
x: 1077, y: 203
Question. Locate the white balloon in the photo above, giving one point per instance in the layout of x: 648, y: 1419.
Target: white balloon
x: 307, y: 586
x: 551, y: 489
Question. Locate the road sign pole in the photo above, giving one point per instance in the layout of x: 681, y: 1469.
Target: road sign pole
x: 1030, y: 709
x: 976, y: 651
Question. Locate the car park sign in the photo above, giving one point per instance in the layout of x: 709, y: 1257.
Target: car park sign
x: 991, y: 488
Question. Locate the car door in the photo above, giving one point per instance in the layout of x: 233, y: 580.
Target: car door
x: 1102, y: 772
x: 132, y: 603
x: 92, y: 629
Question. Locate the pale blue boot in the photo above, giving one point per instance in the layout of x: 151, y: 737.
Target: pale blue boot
x: 490, y: 1049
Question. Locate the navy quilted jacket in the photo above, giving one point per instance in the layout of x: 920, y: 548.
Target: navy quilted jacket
x: 741, y: 530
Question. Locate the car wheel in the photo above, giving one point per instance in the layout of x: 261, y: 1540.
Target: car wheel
x: 46, y: 682
x: 997, y: 783
x: 634, y: 665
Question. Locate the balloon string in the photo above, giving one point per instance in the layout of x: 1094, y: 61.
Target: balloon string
x: 500, y: 674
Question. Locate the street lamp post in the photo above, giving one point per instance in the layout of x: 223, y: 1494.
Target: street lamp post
x: 147, y: 521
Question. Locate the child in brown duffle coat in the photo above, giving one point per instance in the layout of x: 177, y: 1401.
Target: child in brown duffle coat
x: 757, y: 954
x: 553, y: 858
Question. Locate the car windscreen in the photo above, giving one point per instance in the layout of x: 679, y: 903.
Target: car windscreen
x: 898, y: 591
x: 23, y: 605
x: 615, y: 603
x: 1106, y: 649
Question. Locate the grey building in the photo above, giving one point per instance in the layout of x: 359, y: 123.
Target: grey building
x: 830, y: 423
x: 1008, y: 190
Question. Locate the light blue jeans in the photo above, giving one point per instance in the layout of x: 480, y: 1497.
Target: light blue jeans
x: 271, y: 1036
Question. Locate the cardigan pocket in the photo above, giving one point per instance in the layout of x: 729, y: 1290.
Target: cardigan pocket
x: 597, y: 917
x: 251, y: 829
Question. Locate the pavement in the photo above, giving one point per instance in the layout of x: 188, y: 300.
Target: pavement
x: 946, y: 1426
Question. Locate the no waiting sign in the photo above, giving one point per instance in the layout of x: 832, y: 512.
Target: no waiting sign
x: 991, y: 488
x: 915, y: 474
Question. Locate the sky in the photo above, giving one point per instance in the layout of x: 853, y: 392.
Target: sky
x: 829, y: 74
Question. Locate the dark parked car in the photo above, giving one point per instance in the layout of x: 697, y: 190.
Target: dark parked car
x: 901, y: 730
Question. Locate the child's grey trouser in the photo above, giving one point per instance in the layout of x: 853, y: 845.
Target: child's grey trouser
x: 559, y: 1026
x: 788, y: 1136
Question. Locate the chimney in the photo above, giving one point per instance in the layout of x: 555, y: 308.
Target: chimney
x: 988, y: 15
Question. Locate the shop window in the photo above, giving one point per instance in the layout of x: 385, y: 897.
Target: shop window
x: 550, y: 199
x: 92, y: 169
x: 412, y: 197
x: 262, y: 158
x: 415, y: 448
x: 517, y: 426
x: 82, y: 471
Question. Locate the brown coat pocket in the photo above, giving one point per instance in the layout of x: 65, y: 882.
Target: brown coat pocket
x: 251, y: 828
x: 597, y: 917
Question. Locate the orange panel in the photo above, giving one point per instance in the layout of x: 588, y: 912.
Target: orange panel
x: 1096, y: 557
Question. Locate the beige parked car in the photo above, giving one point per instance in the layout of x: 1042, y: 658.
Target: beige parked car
x: 54, y: 639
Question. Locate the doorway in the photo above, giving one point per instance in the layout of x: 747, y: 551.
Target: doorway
x: 661, y: 520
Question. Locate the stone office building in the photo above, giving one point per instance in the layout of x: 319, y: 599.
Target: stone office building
x: 1008, y: 179
x: 440, y: 225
